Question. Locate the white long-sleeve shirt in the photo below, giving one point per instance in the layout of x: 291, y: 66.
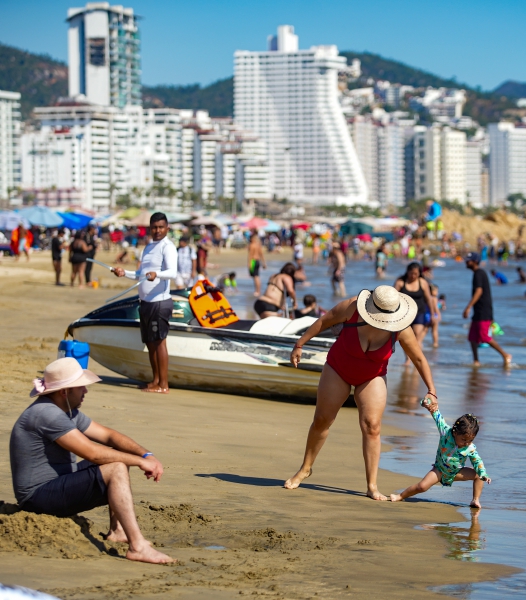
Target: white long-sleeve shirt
x: 160, y: 257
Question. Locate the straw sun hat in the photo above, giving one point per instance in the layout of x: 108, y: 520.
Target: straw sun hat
x: 62, y: 373
x: 386, y: 308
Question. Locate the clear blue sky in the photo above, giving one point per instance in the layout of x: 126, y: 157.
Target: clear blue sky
x: 481, y: 42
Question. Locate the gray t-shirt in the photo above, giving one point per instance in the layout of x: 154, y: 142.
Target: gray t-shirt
x: 35, y: 457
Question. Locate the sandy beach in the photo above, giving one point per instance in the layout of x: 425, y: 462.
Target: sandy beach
x: 220, y: 508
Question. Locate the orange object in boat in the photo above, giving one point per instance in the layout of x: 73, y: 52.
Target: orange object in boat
x: 211, y: 308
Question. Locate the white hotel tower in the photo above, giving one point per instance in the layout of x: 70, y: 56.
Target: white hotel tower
x: 289, y: 97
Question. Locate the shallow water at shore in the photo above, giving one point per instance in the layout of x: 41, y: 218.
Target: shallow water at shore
x: 494, y: 394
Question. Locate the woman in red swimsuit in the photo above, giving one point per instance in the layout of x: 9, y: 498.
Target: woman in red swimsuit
x: 372, y: 324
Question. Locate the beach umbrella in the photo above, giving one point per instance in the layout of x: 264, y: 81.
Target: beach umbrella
x: 175, y: 217
x: 9, y: 220
x: 304, y: 226
x: 130, y: 213
x: 272, y: 226
x: 41, y: 216
x: 204, y: 220
x: 142, y: 219
x: 256, y: 223
x: 75, y: 220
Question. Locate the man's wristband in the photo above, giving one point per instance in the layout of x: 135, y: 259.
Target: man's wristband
x: 431, y: 394
x: 147, y: 454
x: 296, y: 346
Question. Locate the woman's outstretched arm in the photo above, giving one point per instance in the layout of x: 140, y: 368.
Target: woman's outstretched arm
x: 340, y: 313
x: 413, y: 350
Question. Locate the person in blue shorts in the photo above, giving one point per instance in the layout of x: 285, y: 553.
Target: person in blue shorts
x: 500, y: 278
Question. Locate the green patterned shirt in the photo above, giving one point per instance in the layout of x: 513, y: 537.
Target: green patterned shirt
x: 450, y: 458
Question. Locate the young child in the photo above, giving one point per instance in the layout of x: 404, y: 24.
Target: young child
x: 455, y: 446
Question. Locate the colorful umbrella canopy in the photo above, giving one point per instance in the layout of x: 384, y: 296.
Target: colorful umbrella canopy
x: 42, y: 216
x: 75, y: 220
x: 256, y: 223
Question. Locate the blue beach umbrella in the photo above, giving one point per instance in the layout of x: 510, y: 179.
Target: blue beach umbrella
x: 41, y: 216
x: 271, y: 226
x: 75, y: 220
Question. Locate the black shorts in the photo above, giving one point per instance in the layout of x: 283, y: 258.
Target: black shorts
x: 155, y: 320
x: 338, y: 275
x: 261, y: 306
x: 70, y: 494
x: 420, y: 319
x: 254, y: 268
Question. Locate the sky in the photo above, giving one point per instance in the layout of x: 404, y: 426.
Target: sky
x: 480, y: 42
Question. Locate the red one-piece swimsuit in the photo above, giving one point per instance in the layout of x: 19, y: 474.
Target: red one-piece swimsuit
x: 351, y: 363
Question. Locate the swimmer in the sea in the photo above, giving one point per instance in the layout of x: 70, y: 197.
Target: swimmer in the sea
x: 454, y: 448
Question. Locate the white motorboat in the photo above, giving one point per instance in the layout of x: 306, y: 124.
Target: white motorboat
x: 244, y: 357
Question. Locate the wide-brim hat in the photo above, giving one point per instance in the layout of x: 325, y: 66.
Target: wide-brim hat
x: 62, y: 373
x: 386, y: 308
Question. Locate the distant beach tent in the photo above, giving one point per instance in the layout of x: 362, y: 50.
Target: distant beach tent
x: 142, y: 219
x: 75, y: 220
x: 9, y: 220
x: 41, y: 216
x: 355, y: 228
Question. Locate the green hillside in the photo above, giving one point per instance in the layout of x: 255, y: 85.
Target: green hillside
x: 38, y: 77
x: 42, y: 80
x: 217, y: 98
x: 378, y: 67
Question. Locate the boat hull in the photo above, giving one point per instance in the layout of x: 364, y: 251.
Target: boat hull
x: 220, y: 361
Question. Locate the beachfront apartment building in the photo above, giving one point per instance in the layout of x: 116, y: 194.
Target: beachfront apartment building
x: 104, y: 54
x: 507, y: 164
x: 9, y: 142
x: 453, y: 165
x: 474, y: 170
x: 290, y: 99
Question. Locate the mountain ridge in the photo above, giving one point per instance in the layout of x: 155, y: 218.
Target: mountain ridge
x: 42, y: 79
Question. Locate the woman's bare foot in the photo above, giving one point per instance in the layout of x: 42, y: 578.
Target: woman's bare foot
x: 156, y: 390
x: 507, y: 360
x: 476, y: 363
x: 294, y: 482
x: 475, y: 503
x: 396, y: 497
x: 148, y: 554
x: 374, y: 494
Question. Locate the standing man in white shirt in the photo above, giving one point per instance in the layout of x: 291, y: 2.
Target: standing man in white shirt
x: 186, y: 264
x: 158, y: 267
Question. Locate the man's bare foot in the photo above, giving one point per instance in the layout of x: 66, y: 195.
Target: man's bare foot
x: 476, y: 363
x: 507, y: 360
x: 475, y: 503
x: 396, y: 497
x: 156, y: 390
x: 435, y: 345
x: 149, y: 554
x: 294, y: 482
x: 152, y: 384
x: 374, y: 494
x: 116, y: 536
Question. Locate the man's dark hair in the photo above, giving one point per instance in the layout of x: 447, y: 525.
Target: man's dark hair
x: 232, y: 275
x: 309, y: 300
x: 466, y: 425
x: 289, y: 269
x: 158, y: 216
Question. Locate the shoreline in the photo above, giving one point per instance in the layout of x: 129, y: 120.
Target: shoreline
x: 226, y: 457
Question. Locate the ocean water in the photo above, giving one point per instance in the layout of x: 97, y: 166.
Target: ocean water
x: 497, y: 533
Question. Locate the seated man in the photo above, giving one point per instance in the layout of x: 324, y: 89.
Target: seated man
x: 45, y: 443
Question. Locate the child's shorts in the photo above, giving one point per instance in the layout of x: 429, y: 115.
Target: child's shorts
x: 447, y: 479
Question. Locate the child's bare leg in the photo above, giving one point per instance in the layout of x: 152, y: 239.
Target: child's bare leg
x: 468, y: 474
x: 429, y: 480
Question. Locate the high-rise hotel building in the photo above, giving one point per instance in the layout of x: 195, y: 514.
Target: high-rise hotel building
x: 289, y: 97
x: 104, y: 54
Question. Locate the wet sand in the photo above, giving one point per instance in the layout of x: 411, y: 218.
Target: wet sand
x: 220, y: 508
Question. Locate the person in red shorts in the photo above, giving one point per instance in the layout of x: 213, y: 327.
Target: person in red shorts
x: 482, y: 306
x: 372, y: 323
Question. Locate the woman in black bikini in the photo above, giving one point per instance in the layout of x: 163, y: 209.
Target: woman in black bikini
x: 416, y: 287
x: 279, y: 287
x: 78, y: 253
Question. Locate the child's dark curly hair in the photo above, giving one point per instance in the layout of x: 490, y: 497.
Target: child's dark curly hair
x: 466, y: 425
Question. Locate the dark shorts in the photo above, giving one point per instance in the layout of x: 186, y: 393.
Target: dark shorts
x: 420, y: 319
x: 155, y: 320
x: 479, y: 332
x: 70, y: 494
x: 254, y: 268
x: 338, y: 275
x: 261, y: 306
x: 56, y: 257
